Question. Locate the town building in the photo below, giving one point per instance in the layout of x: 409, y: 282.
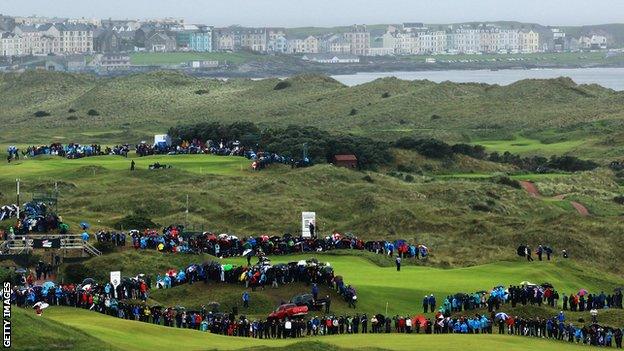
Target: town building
x: 11, y: 44
x: 331, y: 58
x: 359, y: 38
x: 160, y: 42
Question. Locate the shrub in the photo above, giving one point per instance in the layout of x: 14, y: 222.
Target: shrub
x: 71, y: 110
x: 93, y: 112
x: 105, y: 247
x: 409, y: 178
x: 571, y: 164
x: 135, y: 221
x: 619, y: 199
x: 41, y: 114
x: 282, y: 85
x: 405, y: 168
x: 202, y: 91
x: 434, y: 117
x: 368, y: 178
x: 482, y: 207
x: 509, y: 182
x: 77, y: 272
x: 431, y: 148
x: 72, y: 118
x: 385, y: 95
x: 353, y: 112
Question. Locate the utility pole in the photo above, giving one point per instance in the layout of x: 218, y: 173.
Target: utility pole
x: 17, y: 181
x: 187, y: 210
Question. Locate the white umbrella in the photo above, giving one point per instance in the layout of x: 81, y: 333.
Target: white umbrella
x: 41, y: 305
x: 246, y: 252
x: 501, y: 315
x: 301, y: 263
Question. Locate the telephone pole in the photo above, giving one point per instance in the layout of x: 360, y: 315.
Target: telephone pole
x: 17, y: 181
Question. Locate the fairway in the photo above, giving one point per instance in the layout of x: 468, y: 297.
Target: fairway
x: 378, y: 287
x: 522, y: 145
x: 52, y: 165
x: 117, y: 334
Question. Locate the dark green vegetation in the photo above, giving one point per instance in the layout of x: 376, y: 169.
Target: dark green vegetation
x: 533, y: 116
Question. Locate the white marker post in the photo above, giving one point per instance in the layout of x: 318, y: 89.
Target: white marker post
x: 115, y: 279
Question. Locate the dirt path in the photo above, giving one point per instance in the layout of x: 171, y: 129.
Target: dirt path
x: 530, y: 188
x: 582, y: 210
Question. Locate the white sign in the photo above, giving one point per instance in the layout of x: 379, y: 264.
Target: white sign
x: 115, y: 278
x: 306, y: 218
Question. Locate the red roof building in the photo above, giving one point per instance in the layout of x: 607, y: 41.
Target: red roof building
x: 348, y: 161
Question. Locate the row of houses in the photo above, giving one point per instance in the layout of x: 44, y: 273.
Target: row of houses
x: 64, y: 36
x: 417, y: 39
x: 45, y: 39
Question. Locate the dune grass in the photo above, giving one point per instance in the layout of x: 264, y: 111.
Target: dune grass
x: 134, y: 107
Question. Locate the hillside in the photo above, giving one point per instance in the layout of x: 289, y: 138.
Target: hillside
x: 459, y: 213
x: 132, y: 108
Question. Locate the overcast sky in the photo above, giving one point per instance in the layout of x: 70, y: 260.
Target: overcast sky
x: 291, y: 13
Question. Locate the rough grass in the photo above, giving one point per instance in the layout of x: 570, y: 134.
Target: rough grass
x: 136, y: 106
x: 437, y: 211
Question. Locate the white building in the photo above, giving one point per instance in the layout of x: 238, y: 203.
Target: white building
x: 11, y: 44
x: 330, y: 58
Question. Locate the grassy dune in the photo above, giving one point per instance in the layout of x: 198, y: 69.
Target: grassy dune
x: 468, y: 220
x: 108, y: 333
x: 131, y: 108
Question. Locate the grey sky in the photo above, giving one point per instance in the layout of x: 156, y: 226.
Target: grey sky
x: 292, y: 13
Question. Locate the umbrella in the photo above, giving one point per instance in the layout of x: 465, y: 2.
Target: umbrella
x: 582, y: 292
x: 547, y: 285
x: 301, y: 263
x: 41, y: 305
x: 88, y: 281
x: 420, y: 320
x: 84, y: 225
x: 180, y: 308
x: 86, y: 287
x: 20, y: 271
x: 227, y: 267
x: 246, y: 252
x: 501, y: 316
x: 48, y: 285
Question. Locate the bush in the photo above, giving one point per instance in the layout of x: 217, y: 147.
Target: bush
x: 105, y: 247
x: 77, y: 272
x: 385, y: 95
x: 431, y: 148
x: 571, y: 164
x: 353, y: 112
x: 368, y: 178
x: 202, y: 91
x: 405, y: 168
x: 71, y: 110
x: 619, y: 200
x: 409, y: 178
x: 72, y: 118
x: 435, y: 117
x: 41, y: 114
x: 509, y: 182
x: 135, y: 221
x: 93, y: 112
x: 282, y: 85
x: 482, y: 207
